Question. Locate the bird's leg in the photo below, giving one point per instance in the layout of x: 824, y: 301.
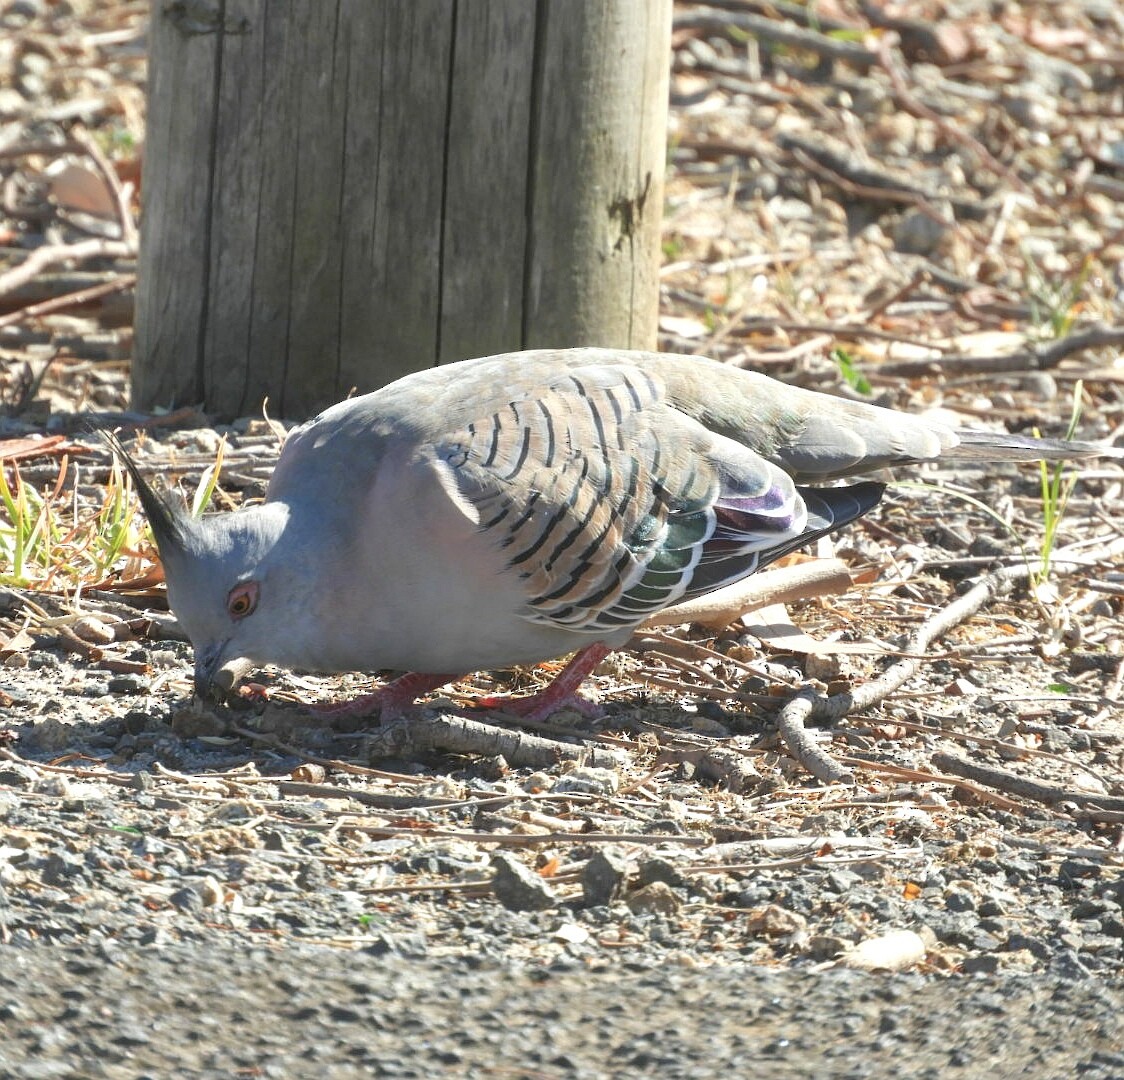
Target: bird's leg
x: 388, y: 701
x: 561, y: 693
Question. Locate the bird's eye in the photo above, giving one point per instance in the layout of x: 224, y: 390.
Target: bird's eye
x: 242, y: 600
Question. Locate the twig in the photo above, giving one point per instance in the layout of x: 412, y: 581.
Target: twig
x: 81, y: 143
x: 1031, y: 358
x: 335, y: 764
x: 802, y: 746
x: 447, y: 733
x: 1102, y: 817
x: 886, y: 190
x: 923, y: 776
x: 381, y: 800
x: 533, y: 839
x: 985, y: 740
x: 484, y: 888
x: 680, y: 664
x: 709, y: 692
x: 807, y: 860
x: 113, y: 182
x: 1031, y: 843
x: 125, y: 780
x: 801, y: 581
x: 809, y: 705
x: 748, y: 358
x: 722, y: 764
x: 950, y: 130
x: 800, y: 14
x: 70, y: 300
x: 53, y: 254
x: 897, y: 296
x: 710, y: 21
x: 1036, y: 790
x: 837, y: 329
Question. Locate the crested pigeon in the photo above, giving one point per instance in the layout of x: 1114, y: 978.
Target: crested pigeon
x: 516, y: 508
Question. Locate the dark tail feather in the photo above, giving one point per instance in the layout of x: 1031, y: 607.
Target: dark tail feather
x: 999, y: 446
x: 830, y: 509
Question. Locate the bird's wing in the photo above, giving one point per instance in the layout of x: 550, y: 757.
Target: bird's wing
x: 610, y: 504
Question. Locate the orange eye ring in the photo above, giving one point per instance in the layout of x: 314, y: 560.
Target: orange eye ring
x: 242, y: 600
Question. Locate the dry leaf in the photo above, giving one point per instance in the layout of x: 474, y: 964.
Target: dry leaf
x: 17, y: 449
x: 19, y: 642
x: 79, y: 188
x: 774, y: 627
x: 961, y: 688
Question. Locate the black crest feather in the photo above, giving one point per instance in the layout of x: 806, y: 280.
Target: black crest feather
x: 168, y: 517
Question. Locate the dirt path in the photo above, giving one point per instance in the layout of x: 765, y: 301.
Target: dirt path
x: 247, y: 1012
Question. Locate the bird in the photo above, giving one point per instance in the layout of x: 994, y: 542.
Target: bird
x: 519, y: 508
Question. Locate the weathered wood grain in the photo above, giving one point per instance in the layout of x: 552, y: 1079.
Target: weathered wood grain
x: 172, y: 290
x: 342, y: 192
x: 484, y: 239
x: 597, y: 183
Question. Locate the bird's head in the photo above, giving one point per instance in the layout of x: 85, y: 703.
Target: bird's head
x: 229, y: 583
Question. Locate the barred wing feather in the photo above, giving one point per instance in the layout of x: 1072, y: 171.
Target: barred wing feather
x: 610, y: 504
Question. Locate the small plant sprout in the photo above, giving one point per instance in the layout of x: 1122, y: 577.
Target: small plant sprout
x: 1054, y: 304
x: 56, y: 540
x: 1057, y: 483
x: 51, y: 541
x: 854, y: 378
x: 208, y: 482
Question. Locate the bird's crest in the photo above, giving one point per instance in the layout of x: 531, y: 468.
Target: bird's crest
x: 172, y: 525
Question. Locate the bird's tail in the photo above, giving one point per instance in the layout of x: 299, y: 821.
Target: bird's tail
x: 999, y: 446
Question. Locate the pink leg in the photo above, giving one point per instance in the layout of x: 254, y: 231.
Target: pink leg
x: 562, y: 692
x: 388, y: 701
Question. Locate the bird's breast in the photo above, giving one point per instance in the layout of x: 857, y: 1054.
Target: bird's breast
x: 430, y: 589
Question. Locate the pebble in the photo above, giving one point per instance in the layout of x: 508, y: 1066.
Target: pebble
x: 896, y: 950
x: 126, y: 684
x: 658, y: 898
x: 605, y: 875
x: 92, y: 629
x: 19, y: 13
x: 656, y: 869
x: 587, y: 781
x: 518, y: 888
x: 15, y: 774
x: 1030, y: 108
x: 39, y: 660
x: 918, y: 233
x: 187, y: 900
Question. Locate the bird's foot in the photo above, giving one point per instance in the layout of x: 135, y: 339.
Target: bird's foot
x: 540, y: 706
x: 561, y: 694
x: 387, y: 702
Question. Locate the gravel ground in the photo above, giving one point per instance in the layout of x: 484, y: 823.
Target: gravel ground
x: 260, y: 891
x: 238, y: 1011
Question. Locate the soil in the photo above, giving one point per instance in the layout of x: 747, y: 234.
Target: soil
x: 932, y: 224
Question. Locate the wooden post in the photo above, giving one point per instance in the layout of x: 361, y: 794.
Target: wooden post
x: 342, y: 191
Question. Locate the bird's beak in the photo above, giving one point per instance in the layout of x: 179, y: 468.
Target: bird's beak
x: 215, y: 675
